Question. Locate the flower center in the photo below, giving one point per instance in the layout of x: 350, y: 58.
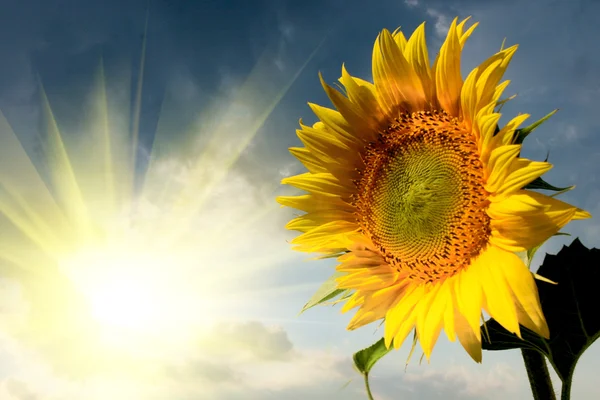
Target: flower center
x: 421, y: 199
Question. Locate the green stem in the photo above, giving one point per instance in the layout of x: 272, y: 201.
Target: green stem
x: 367, y: 386
x: 565, y: 391
x: 539, y: 377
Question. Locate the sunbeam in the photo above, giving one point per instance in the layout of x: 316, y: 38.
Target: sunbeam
x: 107, y: 272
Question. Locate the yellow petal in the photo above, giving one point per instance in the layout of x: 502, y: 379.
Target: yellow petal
x: 469, y: 297
x: 468, y: 99
x: 351, y: 113
x: 400, y: 39
x: 480, y: 86
x: 417, y: 56
x: 498, y: 165
x: 327, y: 237
x: 399, y: 313
x: 449, y: 311
x: 485, y: 128
x: 430, y: 317
x: 499, y: 90
x: 507, y: 133
x: 324, y: 184
x: 490, y: 77
x: 308, y: 159
x: 313, y: 202
x: 448, y: 79
x: 337, y: 125
x: 398, y: 85
x: 464, y: 36
x: 497, y: 295
x: 522, y: 172
x: 364, y: 96
x: 376, y: 278
x: 524, y: 289
x: 311, y: 220
x: 324, y: 146
x: 355, y: 300
x: 525, y: 219
x: 581, y: 214
x: 375, y: 306
x: 467, y: 337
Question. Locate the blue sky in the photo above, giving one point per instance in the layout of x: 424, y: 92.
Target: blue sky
x: 234, y: 77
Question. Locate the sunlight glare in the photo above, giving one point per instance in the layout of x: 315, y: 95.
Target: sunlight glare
x: 131, y: 292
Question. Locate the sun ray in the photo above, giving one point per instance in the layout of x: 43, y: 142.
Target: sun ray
x: 62, y: 174
x: 37, y: 217
x: 107, y: 271
x: 190, y: 200
x: 137, y: 107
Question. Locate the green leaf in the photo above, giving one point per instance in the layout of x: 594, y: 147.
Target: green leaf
x: 327, y: 291
x: 571, y: 310
x: 539, y: 183
x: 521, y: 134
x: 366, y: 358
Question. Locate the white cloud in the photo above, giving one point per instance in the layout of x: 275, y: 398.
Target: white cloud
x: 571, y: 133
x: 497, y: 383
x: 258, y: 340
x: 12, y: 389
x: 562, y: 134
x: 411, y: 3
x: 441, y: 22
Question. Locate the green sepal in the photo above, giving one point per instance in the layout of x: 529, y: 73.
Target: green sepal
x: 541, y: 184
x: 327, y: 291
x: 521, y: 134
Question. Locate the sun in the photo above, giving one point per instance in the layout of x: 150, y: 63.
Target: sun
x: 139, y: 297
x: 124, y: 289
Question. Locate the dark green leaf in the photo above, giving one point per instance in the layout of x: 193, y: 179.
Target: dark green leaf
x: 501, y: 339
x: 327, y: 291
x: 531, y: 252
x: 571, y: 310
x: 539, y: 183
x: 521, y: 134
x: 366, y: 358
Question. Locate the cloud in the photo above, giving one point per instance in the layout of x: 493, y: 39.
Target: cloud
x: 441, y: 22
x: 411, y: 3
x: 16, y: 390
x: 258, y: 340
x: 197, y: 369
x: 497, y: 383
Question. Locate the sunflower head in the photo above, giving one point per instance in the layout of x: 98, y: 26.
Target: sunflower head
x: 411, y: 180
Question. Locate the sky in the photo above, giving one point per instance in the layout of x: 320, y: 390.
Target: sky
x: 219, y: 87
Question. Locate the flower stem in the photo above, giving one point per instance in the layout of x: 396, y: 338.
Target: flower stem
x: 565, y: 391
x: 539, y: 377
x: 367, y: 386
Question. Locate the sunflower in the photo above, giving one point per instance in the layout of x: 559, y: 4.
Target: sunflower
x: 420, y: 195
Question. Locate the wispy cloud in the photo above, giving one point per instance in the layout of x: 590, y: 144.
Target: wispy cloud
x: 441, y: 22
x: 498, y: 383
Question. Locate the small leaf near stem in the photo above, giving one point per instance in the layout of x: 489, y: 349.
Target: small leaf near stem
x: 366, y: 358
